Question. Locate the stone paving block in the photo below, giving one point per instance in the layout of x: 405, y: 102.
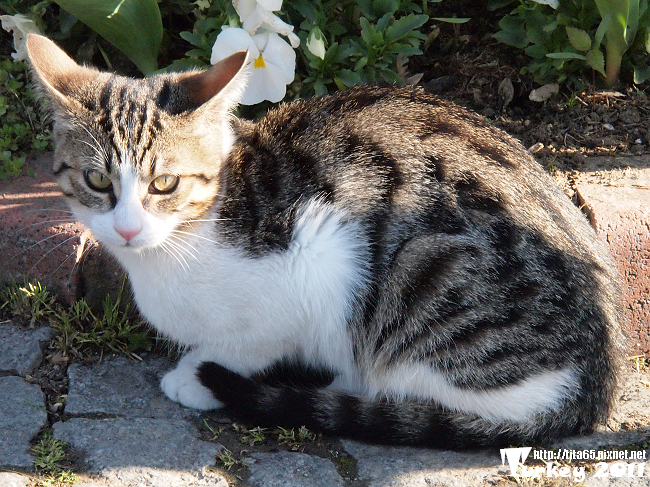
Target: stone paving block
x: 290, y: 469
x: 9, y: 479
x: 413, y: 467
x: 21, y: 350
x: 122, y: 387
x: 22, y: 415
x: 142, y: 451
x: 617, y: 203
x: 150, y: 477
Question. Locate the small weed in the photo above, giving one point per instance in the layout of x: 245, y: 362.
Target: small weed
x: 29, y: 301
x: 49, y: 461
x: 113, y: 330
x: 58, y: 479
x: 228, y: 459
x: 250, y: 436
x: 80, y: 330
x: 253, y: 436
x: 215, y: 432
x: 296, y: 441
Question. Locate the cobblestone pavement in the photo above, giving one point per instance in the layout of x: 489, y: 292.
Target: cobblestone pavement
x: 123, y: 432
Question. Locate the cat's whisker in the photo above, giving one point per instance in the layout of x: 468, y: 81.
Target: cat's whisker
x: 197, y: 236
x: 188, y: 222
x: 41, y: 241
x: 97, y: 147
x: 70, y: 255
x: 51, y: 250
x: 31, y: 225
x: 179, y: 245
x: 171, y: 251
x: 38, y: 210
x: 80, y: 258
x: 183, y: 243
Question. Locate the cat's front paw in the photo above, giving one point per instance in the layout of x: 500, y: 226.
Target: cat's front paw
x: 182, y: 385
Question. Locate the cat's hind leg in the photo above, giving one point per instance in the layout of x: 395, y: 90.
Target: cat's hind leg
x: 183, y: 386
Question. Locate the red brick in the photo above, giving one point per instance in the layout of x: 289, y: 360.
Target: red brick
x: 38, y: 240
x: 617, y: 202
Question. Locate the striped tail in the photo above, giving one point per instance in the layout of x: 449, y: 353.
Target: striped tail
x: 384, y: 421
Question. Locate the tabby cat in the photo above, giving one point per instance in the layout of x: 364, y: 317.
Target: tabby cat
x: 378, y: 263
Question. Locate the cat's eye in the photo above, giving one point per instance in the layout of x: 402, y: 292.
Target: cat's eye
x: 164, y: 184
x: 97, y: 180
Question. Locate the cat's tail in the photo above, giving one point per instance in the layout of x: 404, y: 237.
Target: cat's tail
x: 336, y: 413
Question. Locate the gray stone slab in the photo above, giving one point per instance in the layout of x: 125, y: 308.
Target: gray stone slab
x: 10, y: 479
x: 21, y: 350
x: 290, y: 469
x: 413, y: 467
x: 142, y: 451
x: 22, y: 415
x: 122, y: 387
x: 151, y: 477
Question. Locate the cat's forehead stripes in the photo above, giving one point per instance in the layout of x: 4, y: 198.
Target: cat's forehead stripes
x: 129, y: 114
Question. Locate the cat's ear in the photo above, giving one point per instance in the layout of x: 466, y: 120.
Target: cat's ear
x: 56, y: 72
x: 223, y: 83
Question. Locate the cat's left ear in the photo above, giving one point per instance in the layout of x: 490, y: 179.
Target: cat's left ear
x: 222, y: 84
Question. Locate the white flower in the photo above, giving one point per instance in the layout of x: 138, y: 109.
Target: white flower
x: 271, y: 67
x: 259, y: 13
x: 551, y: 3
x: 316, y: 43
x: 21, y: 25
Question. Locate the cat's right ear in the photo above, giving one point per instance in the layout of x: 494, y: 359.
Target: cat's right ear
x: 57, y: 74
x: 221, y: 84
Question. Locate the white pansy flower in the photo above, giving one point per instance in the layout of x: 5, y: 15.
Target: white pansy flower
x: 256, y: 14
x: 271, y: 67
x: 20, y: 25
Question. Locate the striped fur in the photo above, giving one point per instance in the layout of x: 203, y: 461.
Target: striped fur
x: 377, y: 263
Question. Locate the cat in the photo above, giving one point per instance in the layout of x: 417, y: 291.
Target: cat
x: 377, y: 263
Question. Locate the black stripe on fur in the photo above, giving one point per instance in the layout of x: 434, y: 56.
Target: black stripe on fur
x: 336, y: 413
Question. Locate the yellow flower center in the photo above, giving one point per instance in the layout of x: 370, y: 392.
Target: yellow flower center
x: 259, y: 62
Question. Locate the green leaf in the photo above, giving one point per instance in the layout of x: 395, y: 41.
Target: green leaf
x: 513, y: 32
x: 565, y: 55
x: 601, y: 30
x: 578, y: 38
x: 404, y: 25
x: 367, y: 30
x: 383, y: 7
x: 348, y: 78
x: 641, y: 74
x: 536, y: 51
x: 193, y: 39
x: 452, y: 20
x: 383, y: 22
x: 596, y: 60
x: 133, y: 26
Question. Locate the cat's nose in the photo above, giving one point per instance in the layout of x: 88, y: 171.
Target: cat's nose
x: 127, y: 233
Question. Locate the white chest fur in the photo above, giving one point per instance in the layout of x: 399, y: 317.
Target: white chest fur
x: 246, y: 313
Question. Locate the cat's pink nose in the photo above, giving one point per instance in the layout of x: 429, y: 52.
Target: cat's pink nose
x: 128, y: 233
